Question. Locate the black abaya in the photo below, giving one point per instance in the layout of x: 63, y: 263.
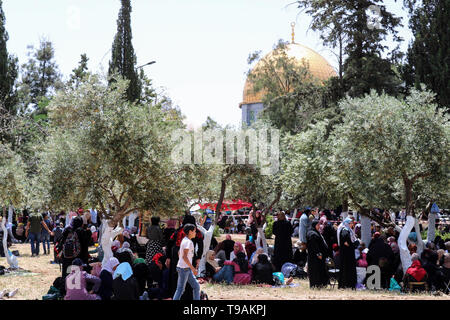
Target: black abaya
x: 282, y: 230
x: 317, y: 269
x: 347, y: 274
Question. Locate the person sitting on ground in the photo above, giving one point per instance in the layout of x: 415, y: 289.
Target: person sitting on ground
x: 216, y: 272
x: 141, y: 272
x: 242, y: 269
x: 211, y: 265
x: 250, y: 248
x: 159, y: 274
x: 125, y: 286
x: 415, y: 273
x: 220, y: 253
x: 236, y: 249
x: 263, y: 270
x: 126, y: 249
x: 300, y: 255
x: 106, y: 276
x: 434, y: 272
x: 362, y: 260
x: 255, y: 255
x: 228, y: 246
x: 76, y: 283
x: 446, y: 271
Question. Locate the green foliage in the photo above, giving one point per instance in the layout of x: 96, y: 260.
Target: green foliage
x: 292, y: 96
x: 80, y: 72
x: 12, y: 177
x: 308, y: 168
x: 108, y: 152
x: 216, y: 232
x: 40, y: 77
x: 268, y: 232
x: 428, y: 54
x: 344, y: 24
x: 123, y: 59
x: 387, y: 146
x: 444, y: 236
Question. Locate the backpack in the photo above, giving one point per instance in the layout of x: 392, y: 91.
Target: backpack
x: 71, y: 247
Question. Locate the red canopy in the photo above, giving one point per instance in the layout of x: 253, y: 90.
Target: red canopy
x: 226, y: 205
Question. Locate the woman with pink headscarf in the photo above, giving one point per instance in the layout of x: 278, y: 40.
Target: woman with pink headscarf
x: 238, y: 247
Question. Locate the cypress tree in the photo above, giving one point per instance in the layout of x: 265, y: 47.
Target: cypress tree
x: 123, y: 57
x: 8, y: 68
x: 429, y: 53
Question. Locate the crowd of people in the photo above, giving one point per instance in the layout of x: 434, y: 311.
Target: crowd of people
x: 166, y: 263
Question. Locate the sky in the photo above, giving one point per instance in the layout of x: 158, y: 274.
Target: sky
x: 200, y: 46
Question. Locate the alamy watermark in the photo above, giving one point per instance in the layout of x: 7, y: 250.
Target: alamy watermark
x: 252, y: 146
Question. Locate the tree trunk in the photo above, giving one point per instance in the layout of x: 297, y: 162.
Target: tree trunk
x: 366, y: 234
x: 207, y: 237
x: 420, y: 245
x: 219, y: 203
x: 261, y: 238
x: 408, y: 196
x: 10, y: 258
x: 107, y: 235
x: 405, y: 256
x: 431, y: 233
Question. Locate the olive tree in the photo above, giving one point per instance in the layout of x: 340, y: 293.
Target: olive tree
x: 108, y: 152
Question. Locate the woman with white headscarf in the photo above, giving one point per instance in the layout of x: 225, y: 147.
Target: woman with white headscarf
x: 347, y: 243
x: 106, y: 276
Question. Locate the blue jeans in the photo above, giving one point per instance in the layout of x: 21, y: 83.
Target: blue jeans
x: 45, y: 237
x: 224, y: 274
x: 35, y: 238
x: 186, y: 275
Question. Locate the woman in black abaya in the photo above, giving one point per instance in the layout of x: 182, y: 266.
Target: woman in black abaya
x: 347, y: 244
x: 282, y: 229
x: 317, y: 253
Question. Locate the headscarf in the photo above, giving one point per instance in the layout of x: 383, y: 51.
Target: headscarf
x: 171, y: 224
x: 323, y: 222
x: 124, y: 269
x: 156, y: 257
x: 189, y: 219
x: 250, y: 247
x: 93, y: 229
x: 446, y: 261
x: 256, y: 254
x: 412, y: 237
x: 110, y: 264
x: 138, y: 260
x: 228, y: 237
x: 345, y: 224
x: 416, y: 270
x: 210, y: 260
x: 126, y: 234
x: 115, y: 243
x: 393, y: 244
x: 240, y: 249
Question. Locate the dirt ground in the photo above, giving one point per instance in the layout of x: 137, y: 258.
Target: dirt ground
x: 37, y: 275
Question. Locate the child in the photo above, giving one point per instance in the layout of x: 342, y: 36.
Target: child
x: 185, y: 269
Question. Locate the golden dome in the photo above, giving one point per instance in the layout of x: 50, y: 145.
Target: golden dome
x: 318, y: 67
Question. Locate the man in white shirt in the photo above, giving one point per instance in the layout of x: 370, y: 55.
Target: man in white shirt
x: 185, y: 269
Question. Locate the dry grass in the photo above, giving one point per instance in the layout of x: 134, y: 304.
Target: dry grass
x: 41, y: 274
x: 36, y: 276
